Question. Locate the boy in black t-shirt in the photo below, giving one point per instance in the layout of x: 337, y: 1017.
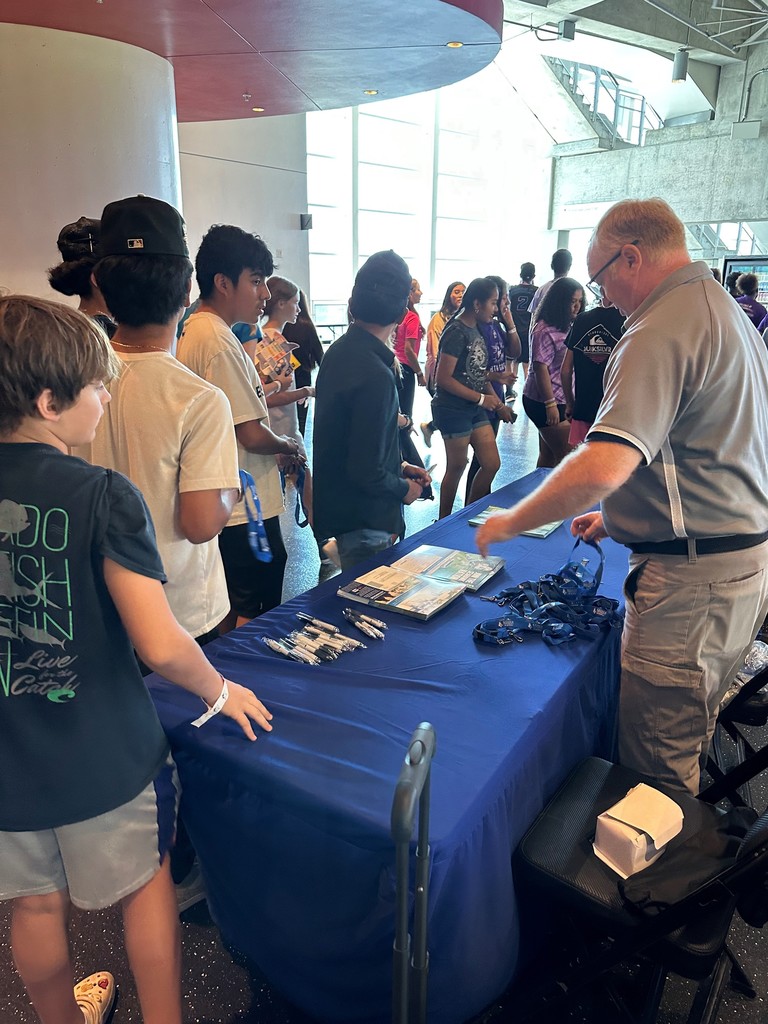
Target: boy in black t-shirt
x: 88, y: 791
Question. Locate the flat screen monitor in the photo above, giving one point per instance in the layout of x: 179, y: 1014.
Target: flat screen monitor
x: 749, y: 265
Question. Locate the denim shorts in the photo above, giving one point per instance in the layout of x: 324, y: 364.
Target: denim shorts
x: 459, y: 422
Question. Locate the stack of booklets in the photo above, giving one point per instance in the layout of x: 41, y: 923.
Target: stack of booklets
x: 422, y: 582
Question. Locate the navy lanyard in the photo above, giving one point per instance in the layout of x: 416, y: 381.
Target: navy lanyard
x: 257, y: 534
x: 300, y: 511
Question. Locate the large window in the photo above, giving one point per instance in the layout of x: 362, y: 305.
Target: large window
x: 437, y: 177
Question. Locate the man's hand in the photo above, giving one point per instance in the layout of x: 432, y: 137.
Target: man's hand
x: 589, y: 526
x: 421, y: 380
x: 492, y: 531
x: 414, y: 492
x: 291, y: 463
x: 417, y: 473
x: 243, y: 706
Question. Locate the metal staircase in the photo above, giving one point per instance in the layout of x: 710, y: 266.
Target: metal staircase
x: 710, y: 245
x: 620, y: 117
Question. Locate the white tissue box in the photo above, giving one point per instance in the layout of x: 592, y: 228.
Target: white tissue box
x: 632, y: 834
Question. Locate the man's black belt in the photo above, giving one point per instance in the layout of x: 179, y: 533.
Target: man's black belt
x: 704, y: 545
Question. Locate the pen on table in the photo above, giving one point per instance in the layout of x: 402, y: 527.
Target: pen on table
x: 274, y: 645
x: 317, y: 648
x: 366, y: 618
x: 327, y: 626
x: 362, y: 623
x: 301, y: 652
x: 344, y: 643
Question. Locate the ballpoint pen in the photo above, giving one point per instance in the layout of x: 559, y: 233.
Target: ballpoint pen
x: 327, y: 626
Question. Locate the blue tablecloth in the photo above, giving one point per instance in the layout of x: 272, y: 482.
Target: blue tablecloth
x: 293, y: 831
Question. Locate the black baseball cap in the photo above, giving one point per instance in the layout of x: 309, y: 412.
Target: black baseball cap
x: 141, y: 225
x: 79, y: 240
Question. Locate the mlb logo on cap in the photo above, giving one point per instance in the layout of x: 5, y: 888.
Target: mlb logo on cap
x: 141, y: 225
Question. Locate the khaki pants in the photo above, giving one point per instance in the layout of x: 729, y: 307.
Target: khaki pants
x: 689, y: 624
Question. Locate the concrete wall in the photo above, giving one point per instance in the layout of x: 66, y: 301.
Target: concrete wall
x: 250, y: 173
x: 698, y: 169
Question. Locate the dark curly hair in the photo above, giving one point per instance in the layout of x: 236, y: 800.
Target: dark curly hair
x: 555, y: 308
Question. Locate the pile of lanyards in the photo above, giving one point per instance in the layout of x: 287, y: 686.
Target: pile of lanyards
x: 558, y: 607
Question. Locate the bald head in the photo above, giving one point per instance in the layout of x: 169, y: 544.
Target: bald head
x: 645, y: 240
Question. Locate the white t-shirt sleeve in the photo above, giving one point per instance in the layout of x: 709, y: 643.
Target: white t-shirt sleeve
x: 236, y: 375
x: 208, y: 458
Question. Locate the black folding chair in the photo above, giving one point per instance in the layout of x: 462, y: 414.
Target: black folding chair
x: 411, y: 963
x: 557, y: 872
x: 748, y: 707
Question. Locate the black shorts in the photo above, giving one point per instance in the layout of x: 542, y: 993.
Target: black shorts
x: 537, y: 412
x: 525, y: 353
x: 254, y: 587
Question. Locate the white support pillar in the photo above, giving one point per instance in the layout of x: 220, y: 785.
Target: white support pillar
x: 83, y: 121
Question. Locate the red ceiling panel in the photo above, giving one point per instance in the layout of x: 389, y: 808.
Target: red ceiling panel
x: 289, y: 55
x: 166, y: 27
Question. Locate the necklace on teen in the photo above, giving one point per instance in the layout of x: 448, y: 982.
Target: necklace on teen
x: 138, y: 348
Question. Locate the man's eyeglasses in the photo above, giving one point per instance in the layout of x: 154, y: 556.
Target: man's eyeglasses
x: 594, y: 287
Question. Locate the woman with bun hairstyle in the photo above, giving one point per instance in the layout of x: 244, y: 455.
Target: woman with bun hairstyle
x: 464, y: 396
x: 78, y: 244
x: 543, y: 395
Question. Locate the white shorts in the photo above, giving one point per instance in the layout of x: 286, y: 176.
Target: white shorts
x: 100, y: 860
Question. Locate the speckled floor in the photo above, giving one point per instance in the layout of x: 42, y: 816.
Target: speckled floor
x: 219, y: 988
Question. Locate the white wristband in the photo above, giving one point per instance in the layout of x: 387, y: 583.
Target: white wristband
x: 214, y: 709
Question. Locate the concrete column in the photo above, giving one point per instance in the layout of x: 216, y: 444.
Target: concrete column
x: 83, y: 121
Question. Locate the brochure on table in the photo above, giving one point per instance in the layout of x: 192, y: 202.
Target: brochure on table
x: 397, y: 591
x: 453, y: 566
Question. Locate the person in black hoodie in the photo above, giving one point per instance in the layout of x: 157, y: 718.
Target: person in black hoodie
x: 360, y: 481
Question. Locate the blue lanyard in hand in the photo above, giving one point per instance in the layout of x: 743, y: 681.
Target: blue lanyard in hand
x: 257, y: 535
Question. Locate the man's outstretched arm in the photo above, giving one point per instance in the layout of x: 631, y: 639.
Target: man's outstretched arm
x: 590, y: 474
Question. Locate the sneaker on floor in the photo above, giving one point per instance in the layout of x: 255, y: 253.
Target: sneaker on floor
x: 190, y: 890
x: 330, y: 553
x: 95, y: 996
x: 427, y: 430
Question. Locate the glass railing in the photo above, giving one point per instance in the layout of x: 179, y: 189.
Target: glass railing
x: 616, y: 111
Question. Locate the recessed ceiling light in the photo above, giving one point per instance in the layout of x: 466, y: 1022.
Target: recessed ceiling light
x: 370, y: 92
x: 258, y: 110
x: 454, y: 45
